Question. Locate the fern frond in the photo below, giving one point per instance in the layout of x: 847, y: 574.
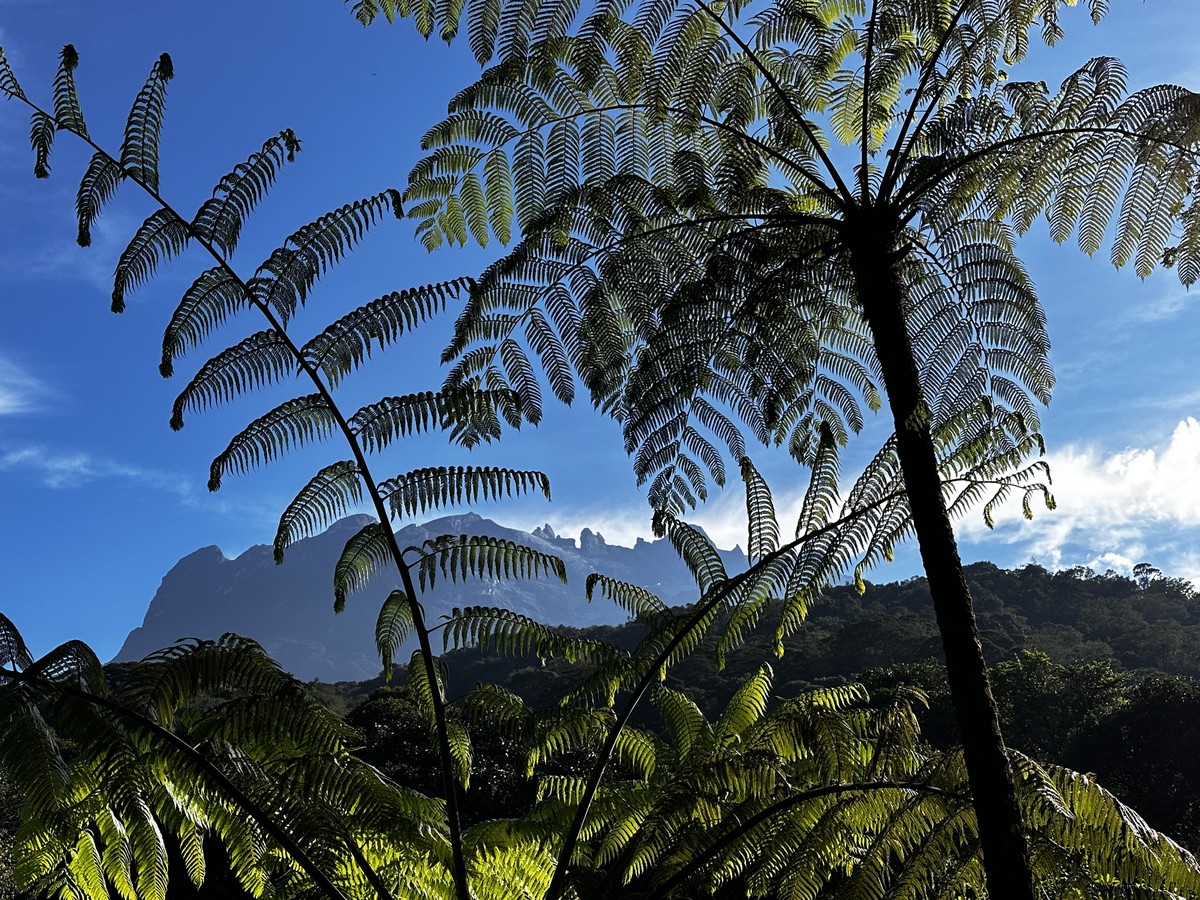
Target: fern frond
x: 482, y: 556
x: 343, y: 346
x: 67, y: 112
x: 284, y: 280
x: 41, y: 139
x: 258, y: 360
x: 96, y: 188
x: 219, y: 219
x: 8, y: 81
x: 162, y: 236
x: 292, y: 423
x: 214, y: 296
x: 326, y: 497
x: 139, y: 150
x: 438, y: 486
x: 363, y: 557
x: 392, y: 627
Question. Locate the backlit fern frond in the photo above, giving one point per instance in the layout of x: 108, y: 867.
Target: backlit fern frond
x: 637, y: 601
x: 161, y: 236
x: 284, y: 280
x: 326, y: 497
x: 258, y: 360
x: 8, y: 81
x: 438, y: 486
x: 220, y: 218
x: 468, y: 415
x: 139, y: 150
x: 41, y: 139
x: 363, y: 557
x: 291, y: 424
x: 393, y: 624
x: 482, y: 556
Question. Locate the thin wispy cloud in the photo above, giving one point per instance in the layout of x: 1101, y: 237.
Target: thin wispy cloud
x: 20, y: 390
x: 1166, y: 306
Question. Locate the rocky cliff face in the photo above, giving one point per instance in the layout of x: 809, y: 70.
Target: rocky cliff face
x: 289, y: 608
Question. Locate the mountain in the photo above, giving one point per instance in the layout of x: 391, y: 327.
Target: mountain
x: 289, y: 608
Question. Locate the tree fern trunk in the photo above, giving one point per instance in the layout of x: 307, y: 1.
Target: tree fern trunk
x: 1005, y: 851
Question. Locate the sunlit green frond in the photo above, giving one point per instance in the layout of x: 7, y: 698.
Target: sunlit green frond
x: 363, y: 557
x: 438, y: 486
x: 139, y: 150
x: 483, y: 556
x: 326, y: 498
x: 161, y: 236
x: 219, y: 219
x: 292, y: 423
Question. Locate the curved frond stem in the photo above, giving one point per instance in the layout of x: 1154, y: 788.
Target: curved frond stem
x: 846, y: 194
x: 702, y: 858
x: 718, y: 596
x: 868, y: 53
x: 459, y: 867
x: 908, y: 197
x: 182, y: 747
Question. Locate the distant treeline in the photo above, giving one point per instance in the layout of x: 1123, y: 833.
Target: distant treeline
x: 1088, y: 668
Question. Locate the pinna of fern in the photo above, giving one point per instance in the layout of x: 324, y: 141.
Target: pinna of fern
x: 469, y: 413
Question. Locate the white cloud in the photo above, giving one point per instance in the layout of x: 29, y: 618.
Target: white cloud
x: 68, y: 470
x: 1114, y: 509
x: 20, y: 391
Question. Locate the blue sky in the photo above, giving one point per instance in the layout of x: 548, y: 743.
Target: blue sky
x: 99, y: 498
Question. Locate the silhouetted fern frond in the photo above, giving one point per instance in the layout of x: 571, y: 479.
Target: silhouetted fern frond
x: 483, y: 556
x: 292, y: 423
x: 325, y: 498
x: 434, y: 487
x: 139, y: 150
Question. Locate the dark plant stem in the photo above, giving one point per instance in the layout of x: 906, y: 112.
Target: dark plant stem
x: 1005, y: 850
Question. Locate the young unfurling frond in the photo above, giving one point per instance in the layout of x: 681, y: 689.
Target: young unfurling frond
x: 139, y: 150
x: 220, y: 218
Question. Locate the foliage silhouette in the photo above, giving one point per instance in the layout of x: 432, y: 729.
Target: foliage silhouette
x: 161, y: 758
x: 775, y: 214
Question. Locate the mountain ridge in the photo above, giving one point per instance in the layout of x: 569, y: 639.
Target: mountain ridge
x: 289, y: 608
